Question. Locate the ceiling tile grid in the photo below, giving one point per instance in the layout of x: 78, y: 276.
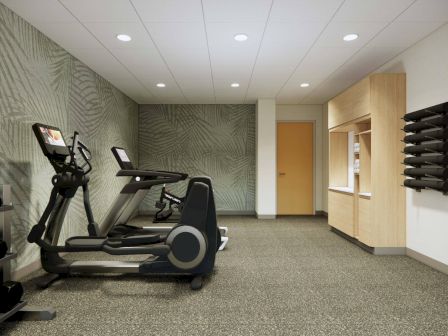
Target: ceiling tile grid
x: 189, y: 44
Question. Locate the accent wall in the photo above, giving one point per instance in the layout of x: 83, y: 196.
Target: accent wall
x: 211, y: 140
x: 41, y: 82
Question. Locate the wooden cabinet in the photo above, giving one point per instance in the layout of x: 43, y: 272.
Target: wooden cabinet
x: 350, y: 105
x: 369, y: 114
x: 364, y: 223
x: 340, y: 211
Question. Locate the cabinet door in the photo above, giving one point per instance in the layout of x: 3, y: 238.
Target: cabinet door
x: 350, y: 105
x: 364, y: 221
x: 340, y: 212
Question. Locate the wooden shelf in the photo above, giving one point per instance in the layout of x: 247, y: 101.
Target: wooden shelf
x: 17, y: 307
x: 364, y: 132
x: 8, y: 257
x: 365, y: 194
x: 4, y: 208
x: 345, y: 190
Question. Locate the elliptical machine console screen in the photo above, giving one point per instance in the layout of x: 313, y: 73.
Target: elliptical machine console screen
x: 52, y: 136
x: 122, y: 154
x: 51, y: 140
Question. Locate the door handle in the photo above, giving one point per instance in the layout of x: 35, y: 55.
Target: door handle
x: 281, y: 174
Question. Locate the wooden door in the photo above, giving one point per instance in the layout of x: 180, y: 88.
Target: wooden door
x: 295, y: 161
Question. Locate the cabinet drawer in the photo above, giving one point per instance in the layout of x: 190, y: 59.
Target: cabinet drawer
x: 340, y: 211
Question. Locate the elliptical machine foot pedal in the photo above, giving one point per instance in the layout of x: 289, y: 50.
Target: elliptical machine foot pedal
x: 197, y: 282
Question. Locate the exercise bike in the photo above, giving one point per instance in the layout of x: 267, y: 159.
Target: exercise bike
x: 189, y: 248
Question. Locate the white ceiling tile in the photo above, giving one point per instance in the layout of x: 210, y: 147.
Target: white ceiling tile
x: 193, y: 87
x: 69, y: 35
x: 102, y: 62
x: 336, y: 30
x: 304, y: 10
x: 320, y: 63
x: 326, y: 91
x: 178, y: 35
x: 102, y: 10
x: 292, y: 33
x: 371, y: 10
x: 107, y: 32
x: 229, y: 58
x: 192, y: 63
x: 201, y: 99
x: 169, y: 10
x: 224, y: 91
x: 404, y: 33
x: 169, y: 92
x: 236, y: 100
x: 426, y: 10
x: 284, y: 45
x: 40, y: 11
x: 364, y: 62
x: 236, y: 10
x: 265, y: 84
x: 133, y: 89
x: 144, y: 63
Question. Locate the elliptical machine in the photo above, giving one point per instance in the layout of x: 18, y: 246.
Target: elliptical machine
x: 189, y: 248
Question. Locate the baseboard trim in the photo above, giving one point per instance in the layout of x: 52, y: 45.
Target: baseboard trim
x: 235, y: 213
x: 389, y: 250
x: 266, y: 216
x: 373, y: 250
x: 218, y: 212
x: 321, y: 213
x: 441, y: 267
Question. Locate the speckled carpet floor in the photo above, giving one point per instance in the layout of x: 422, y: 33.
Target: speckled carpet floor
x: 289, y: 276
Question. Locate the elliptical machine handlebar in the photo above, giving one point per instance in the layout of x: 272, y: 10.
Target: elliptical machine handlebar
x: 83, y: 150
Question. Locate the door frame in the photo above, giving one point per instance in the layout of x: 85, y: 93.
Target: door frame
x: 313, y: 122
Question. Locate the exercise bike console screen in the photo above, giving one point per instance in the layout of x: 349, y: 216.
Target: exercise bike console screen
x: 122, y: 158
x: 51, y: 140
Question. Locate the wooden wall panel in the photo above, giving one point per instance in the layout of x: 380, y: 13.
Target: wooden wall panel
x: 388, y: 105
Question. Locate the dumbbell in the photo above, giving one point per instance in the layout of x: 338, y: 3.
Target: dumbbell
x: 11, y: 292
x: 3, y: 248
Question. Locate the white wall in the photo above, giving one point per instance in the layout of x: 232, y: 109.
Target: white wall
x: 426, y: 68
x: 266, y: 184
x: 309, y: 113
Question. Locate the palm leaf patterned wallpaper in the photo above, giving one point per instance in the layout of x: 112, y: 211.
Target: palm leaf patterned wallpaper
x: 212, y: 140
x: 41, y: 82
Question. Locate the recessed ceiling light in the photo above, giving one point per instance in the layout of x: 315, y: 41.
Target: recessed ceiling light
x: 304, y: 84
x: 235, y: 85
x: 161, y: 85
x: 240, y: 37
x: 124, y: 37
x: 350, y: 37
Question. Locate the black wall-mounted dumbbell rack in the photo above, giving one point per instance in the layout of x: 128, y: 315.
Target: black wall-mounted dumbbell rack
x: 427, y: 149
x: 20, y: 310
